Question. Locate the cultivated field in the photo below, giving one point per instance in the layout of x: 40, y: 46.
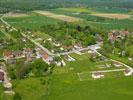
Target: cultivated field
x: 59, y: 17
x: 114, y: 16
x: 16, y: 15
x: 31, y: 21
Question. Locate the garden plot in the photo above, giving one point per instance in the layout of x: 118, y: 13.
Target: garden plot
x: 59, y: 17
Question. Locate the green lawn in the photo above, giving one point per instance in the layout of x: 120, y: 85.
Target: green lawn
x: 64, y: 87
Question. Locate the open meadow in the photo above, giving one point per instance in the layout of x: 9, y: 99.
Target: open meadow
x: 66, y: 84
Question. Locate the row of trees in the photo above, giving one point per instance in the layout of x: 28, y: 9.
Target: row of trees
x: 20, y: 70
x: 69, y: 33
x: 122, y: 46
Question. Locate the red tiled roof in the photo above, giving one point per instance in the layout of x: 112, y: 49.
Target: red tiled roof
x: 8, y: 54
x: 27, y: 49
x: 45, y: 55
x: 126, y: 32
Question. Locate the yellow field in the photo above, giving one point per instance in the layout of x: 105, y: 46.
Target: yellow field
x: 114, y: 16
x: 59, y: 17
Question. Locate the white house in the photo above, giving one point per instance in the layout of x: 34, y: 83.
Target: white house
x: 97, y: 75
x: 128, y: 72
x: 91, y: 51
x: 117, y: 64
x: 60, y: 63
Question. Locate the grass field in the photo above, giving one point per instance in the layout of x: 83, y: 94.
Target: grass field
x: 32, y: 22
x: 66, y: 84
x: 64, y: 87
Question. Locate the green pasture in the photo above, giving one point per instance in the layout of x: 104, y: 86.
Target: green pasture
x: 32, y: 22
x: 65, y: 87
x: 31, y: 88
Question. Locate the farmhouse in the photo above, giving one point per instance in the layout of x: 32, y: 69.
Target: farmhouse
x: 48, y: 59
x: 128, y: 72
x: 8, y: 56
x: 91, y: 51
x: 28, y: 54
x: 125, y: 33
x: 117, y: 64
x: 17, y: 53
x: 111, y: 37
x: 97, y: 75
x: 44, y: 55
x: 68, y: 48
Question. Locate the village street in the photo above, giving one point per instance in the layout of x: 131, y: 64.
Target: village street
x: 42, y: 47
x: 91, y: 47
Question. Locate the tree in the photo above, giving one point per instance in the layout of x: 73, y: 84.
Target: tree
x: 39, y: 67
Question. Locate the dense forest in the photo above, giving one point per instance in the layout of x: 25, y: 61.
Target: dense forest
x: 26, y: 5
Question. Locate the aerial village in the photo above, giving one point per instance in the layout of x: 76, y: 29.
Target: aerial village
x: 33, y: 46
